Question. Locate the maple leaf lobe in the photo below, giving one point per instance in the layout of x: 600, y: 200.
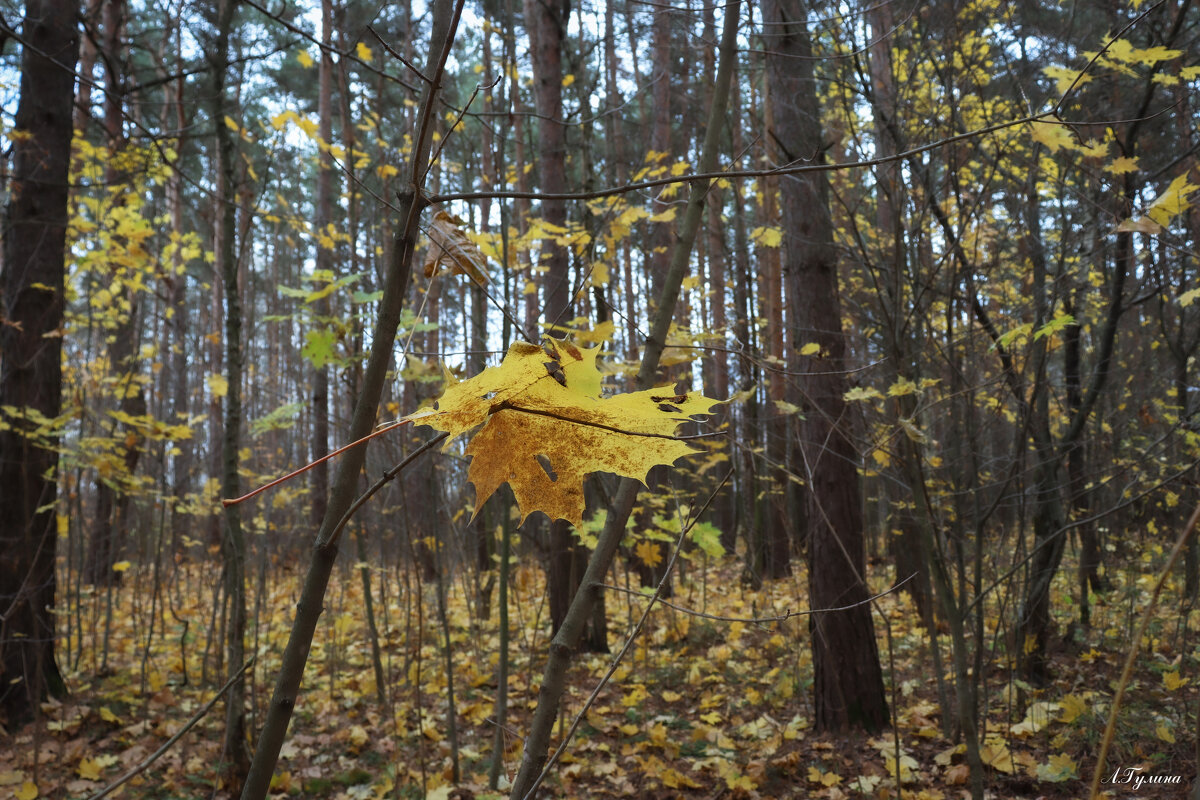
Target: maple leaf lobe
x: 545, y: 427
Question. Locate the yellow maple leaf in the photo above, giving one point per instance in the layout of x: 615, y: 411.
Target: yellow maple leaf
x: 363, y: 52
x: 1172, y: 681
x: 648, y: 553
x: 358, y: 738
x: 1122, y: 165
x: 674, y: 779
x: 304, y: 58
x: 1072, y: 707
x: 1060, y: 767
x: 1064, y: 77
x: 217, y: 384
x: 1173, y: 201
x: 1053, y: 135
x: 1140, y: 225
x: 995, y: 754
x: 28, y: 791
x: 824, y: 778
x: 545, y: 427
x: 1164, y: 733
x: 767, y: 236
x: 1121, y: 50
x: 861, y: 394
x: 1152, y: 55
x: 89, y: 770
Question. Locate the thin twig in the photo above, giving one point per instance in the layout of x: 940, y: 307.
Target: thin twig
x: 396, y: 54
x: 1075, y: 83
x: 765, y: 620
x: 792, y: 168
x: 458, y: 121
x: 633, y: 635
x: 379, y: 484
x: 378, y: 432
x: 1134, y: 646
x: 191, y: 723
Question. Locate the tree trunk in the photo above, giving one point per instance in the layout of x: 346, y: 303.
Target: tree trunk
x: 235, y: 752
x: 847, y: 676
x: 111, y: 498
x: 534, y: 757
x: 546, y: 23
x: 319, y: 481
x: 32, y: 287
x: 366, y: 408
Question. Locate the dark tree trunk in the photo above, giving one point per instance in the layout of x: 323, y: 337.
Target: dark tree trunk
x: 319, y: 482
x: 771, y: 554
x: 236, y: 752
x: 112, y: 500
x: 35, y: 226
x: 848, y: 681
x: 546, y: 23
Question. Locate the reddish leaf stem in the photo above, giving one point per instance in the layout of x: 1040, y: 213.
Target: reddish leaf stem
x: 311, y: 464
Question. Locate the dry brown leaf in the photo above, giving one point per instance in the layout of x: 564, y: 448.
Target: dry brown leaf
x: 450, y: 250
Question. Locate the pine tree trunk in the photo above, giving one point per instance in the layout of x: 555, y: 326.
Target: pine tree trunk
x: 235, y: 750
x: 847, y: 676
x: 319, y: 481
x: 35, y: 226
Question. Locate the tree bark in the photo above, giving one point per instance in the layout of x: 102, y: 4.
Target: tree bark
x: 553, y: 685
x: 112, y: 501
x: 319, y: 481
x: 848, y: 681
x: 32, y: 288
x: 287, y: 687
x: 546, y: 23
x: 235, y: 754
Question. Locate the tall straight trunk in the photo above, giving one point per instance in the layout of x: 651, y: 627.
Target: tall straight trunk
x: 772, y: 543
x: 553, y: 684
x: 546, y: 23
x: 366, y: 409
x: 112, y: 500
x: 659, y: 253
x: 235, y: 752
x: 848, y: 681
x: 87, y: 66
x: 177, y: 282
x: 32, y: 288
x: 324, y: 262
x: 1049, y: 452
x: 743, y: 300
x: 479, y: 529
x: 716, y: 384
x: 906, y: 548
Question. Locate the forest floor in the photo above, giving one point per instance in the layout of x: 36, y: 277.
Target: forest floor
x: 699, y: 708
